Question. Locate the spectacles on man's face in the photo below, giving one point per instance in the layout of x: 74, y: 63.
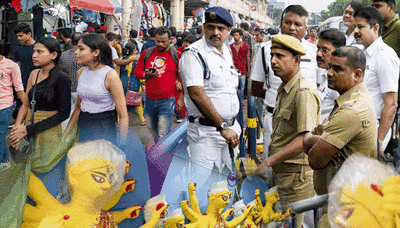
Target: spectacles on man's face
x: 348, y: 13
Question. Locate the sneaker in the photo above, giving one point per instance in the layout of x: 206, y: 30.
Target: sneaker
x: 4, y: 166
x: 179, y: 120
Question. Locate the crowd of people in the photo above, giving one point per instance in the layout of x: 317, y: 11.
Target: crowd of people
x: 325, y: 97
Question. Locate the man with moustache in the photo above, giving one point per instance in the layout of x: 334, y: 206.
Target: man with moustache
x: 348, y: 20
x: 160, y: 73
x: 350, y: 127
x: 329, y: 40
x: 210, y: 83
x: 293, y: 23
x: 382, y: 71
x: 297, y: 112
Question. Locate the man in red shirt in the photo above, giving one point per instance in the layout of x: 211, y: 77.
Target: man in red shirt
x: 160, y: 74
x: 241, y: 57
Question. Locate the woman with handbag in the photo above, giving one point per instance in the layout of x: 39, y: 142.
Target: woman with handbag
x: 48, y: 102
x: 101, y: 106
x: 132, y: 86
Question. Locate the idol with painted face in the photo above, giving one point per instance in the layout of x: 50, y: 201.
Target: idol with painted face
x: 94, y: 172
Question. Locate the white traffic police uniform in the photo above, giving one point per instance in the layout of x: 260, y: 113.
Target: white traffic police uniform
x: 326, y: 94
x: 206, y: 145
x: 308, y: 67
x: 381, y: 75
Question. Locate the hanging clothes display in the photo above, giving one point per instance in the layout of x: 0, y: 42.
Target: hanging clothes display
x: 12, y: 21
x: 144, y: 27
x: 137, y: 13
x: 38, y: 22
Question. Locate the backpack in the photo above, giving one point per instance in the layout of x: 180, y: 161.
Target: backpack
x: 172, y: 51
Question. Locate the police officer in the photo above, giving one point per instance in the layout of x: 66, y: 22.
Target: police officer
x: 294, y: 23
x: 297, y: 112
x: 350, y: 127
x: 210, y: 81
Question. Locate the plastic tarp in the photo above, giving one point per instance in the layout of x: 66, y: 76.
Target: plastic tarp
x: 105, y: 6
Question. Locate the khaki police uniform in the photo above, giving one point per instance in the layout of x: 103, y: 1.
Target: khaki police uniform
x: 350, y: 127
x: 297, y: 111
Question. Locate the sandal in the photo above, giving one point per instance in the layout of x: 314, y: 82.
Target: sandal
x: 143, y: 123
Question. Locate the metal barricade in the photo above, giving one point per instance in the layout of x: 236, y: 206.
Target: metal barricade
x: 311, y: 204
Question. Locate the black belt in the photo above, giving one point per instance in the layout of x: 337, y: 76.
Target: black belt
x: 208, y: 122
x: 270, y: 109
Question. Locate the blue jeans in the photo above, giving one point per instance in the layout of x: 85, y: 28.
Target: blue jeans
x: 5, y: 116
x: 160, y: 115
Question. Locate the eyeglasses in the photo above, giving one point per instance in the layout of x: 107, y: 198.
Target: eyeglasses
x: 348, y: 13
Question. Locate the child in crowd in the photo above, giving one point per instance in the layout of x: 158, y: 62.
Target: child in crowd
x: 127, y: 77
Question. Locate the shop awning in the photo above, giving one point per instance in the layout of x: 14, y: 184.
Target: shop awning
x: 102, y: 6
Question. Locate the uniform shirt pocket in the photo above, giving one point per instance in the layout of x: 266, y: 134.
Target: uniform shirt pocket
x: 235, y: 77
x: 283, y: 117
x: 217, y: 80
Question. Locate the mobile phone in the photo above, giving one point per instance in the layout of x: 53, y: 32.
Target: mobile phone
x: 152, y: 69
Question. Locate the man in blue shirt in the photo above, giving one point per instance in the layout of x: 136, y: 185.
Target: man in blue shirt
x: 151, y: 42
x: 23, y: 53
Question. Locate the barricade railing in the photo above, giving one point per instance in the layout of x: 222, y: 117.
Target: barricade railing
x: 311, y: 204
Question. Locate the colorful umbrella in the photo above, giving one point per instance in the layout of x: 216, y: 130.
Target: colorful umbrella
x: 198, y: 12
x: 102, y: 6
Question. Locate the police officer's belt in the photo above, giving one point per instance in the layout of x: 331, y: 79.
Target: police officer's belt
x: 209, y: 122
x: 290, y: 168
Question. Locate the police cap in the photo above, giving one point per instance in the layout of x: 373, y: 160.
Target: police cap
x: 218, y: 14
x: 289, y: 43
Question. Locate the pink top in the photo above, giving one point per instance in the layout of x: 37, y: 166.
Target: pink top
x: 10, y: 75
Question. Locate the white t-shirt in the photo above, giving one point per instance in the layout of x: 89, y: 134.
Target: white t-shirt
x: 114, y: 55
x: 308, y: 67
x: 381, y: 73
x: 326, y: 94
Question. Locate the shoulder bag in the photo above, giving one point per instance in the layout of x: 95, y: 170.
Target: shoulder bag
x: 133, y: 98
x: 27, y: 146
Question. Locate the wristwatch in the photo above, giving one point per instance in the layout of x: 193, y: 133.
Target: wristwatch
x: 223, y: 126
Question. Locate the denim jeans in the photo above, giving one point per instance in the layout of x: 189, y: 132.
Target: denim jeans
x: 160, y: 115
x: 5, y: 116
x: 242, y: 84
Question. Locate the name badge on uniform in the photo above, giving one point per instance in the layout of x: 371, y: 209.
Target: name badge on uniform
x: 305, y: 60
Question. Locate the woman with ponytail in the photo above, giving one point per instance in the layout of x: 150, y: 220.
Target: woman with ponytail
x: 52, y: 96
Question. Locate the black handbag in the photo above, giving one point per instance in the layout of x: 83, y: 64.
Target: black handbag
x: 26, y: 146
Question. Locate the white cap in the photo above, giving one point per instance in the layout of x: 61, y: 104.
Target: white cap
x: 252, y: 203
x: 238, y: 208
x: 151, y: 203
x: 218, y: 187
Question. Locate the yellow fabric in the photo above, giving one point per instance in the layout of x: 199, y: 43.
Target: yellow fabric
x: 350, y: 127
x: 127, y: 67
x: 297, y: 110
x: 50, y: 145
x: 288, y: 42
x: 119, y: 49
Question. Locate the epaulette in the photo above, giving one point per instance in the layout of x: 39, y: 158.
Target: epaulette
x: 206, y: 71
